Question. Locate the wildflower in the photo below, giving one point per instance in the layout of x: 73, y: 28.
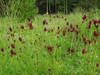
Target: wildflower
x: 84, y: 39
x: 44, y: 22
x: 77, y: 32
x: 71, y: 31
x: 29, y: 19
x: 48, y: 30
x: 10, y: 29
x: 65, y: 19
x: 68, y: 49
x: 45, y: 29
x: 62, y: 17
x: 50, y: 48
x: 49, y: 69
x: 57, y: 36
x: 82, y: 21
x: 71, y: 26
x: 85, y: 43
x: 50, y: 15
x: 11, y: 51
x: 90, y: 22
x: 83, y: 51
x: 67, y: 23
x: 89, y: 26
x: 89, y: 41
x: 8, y: 47
x: 44, y: 46
x: 96, y: 34
x: 14, y: 40
x: 77, y: 26
x: 95, y: 21
x: 2, y: 49
x: 24, y: 6
x: 84, y: 17
x: 64, y: 32
x: 97, y: 64
x: 23, y: 42
x: 68, y: 30
x: 72, y: 50
x: 20, y: 39
x: 12, y: 45
x: 57, y: 45
x: 97, y: 26
x: 51, y: 30
x: 12, y: 35
x: 31, y: 27
x: 57, y: 16
x: 22, y: 27
x: 58, y: 27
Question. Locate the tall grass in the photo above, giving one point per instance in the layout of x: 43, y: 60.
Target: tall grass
x: 57, y: 50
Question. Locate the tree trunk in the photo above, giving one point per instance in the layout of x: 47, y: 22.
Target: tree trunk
x: 47, y: 6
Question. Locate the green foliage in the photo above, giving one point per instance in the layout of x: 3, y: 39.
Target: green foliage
x: 33, y: 58
x: 21, y: 9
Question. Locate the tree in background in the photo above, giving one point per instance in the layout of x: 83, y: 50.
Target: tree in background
x: 66, y: 6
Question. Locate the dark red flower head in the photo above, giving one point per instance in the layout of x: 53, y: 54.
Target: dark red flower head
x: 45, y: 29
x: 31, y: 27
x: 77, y: 26
x: 29, y: 19
x: 49, y: 69
x: 10, y: 29
x: 12, y: 45
x: 96, y: 34
x: 65, y: 19
x: 67, y: 23
x: 20, y: 39
x: 83, y: 51
x: 97, y: 64
x: 72, y: 50
x: 84, y: 17
x: 50, y: 48
x: 84, y: 38
x: 22, y: 27
x: 44, y: 22
x: 2, y: 49
x: 71, y: 26
x: 90, y: 22
x: 97, y: 26
x: 77, y: 32
x: 58, y: 27
x: 57, y: 16
x: 89, y: 41
x: 64, y: 32
x: 12, y: 52
x: 51, y: 30
x: 68, y: 49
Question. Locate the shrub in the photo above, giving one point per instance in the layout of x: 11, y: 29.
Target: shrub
x: 22, y: 9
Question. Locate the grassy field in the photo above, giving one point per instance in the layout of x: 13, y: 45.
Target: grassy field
x: 50, y: 45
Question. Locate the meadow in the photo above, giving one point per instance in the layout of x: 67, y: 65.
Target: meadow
x: 55, y: 44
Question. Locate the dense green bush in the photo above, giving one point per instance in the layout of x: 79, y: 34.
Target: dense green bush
x: 20, y: 8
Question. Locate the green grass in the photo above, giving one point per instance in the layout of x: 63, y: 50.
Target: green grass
x: 34, y: 59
